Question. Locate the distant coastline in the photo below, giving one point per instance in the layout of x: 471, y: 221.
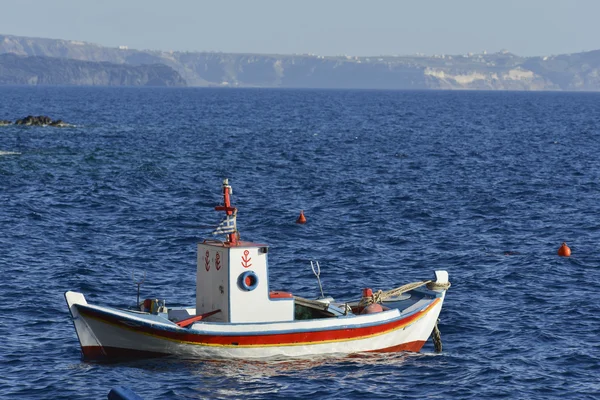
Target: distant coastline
x: 40, y: 61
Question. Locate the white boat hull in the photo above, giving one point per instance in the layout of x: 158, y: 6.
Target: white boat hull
x: 108, y: 332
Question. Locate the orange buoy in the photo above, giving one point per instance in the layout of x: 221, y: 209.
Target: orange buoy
x: 564, y: 250
x: 301, y: 219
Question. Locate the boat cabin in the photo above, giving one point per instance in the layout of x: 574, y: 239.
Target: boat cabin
x: 232, y: 276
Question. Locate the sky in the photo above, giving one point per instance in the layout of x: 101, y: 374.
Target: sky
x: 323, y: 27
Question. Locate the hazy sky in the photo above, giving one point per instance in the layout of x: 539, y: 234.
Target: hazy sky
x: 324, y: 27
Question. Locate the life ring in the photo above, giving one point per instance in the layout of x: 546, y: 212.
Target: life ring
x: 248, y: 280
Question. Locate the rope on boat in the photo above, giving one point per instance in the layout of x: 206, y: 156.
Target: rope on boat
x: 379, y: 296
x: 436, y: 336
x: 431, y: 285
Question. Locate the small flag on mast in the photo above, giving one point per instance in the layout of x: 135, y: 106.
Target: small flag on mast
x: 226, y: 226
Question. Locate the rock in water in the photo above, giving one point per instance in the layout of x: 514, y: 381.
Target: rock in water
x: 59, y: 123
x: 41, y: 120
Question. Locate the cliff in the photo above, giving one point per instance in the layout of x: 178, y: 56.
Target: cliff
x: 498, y: 71
x: 23, y: 70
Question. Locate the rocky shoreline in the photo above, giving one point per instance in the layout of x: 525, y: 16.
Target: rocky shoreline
x: 40, y: 120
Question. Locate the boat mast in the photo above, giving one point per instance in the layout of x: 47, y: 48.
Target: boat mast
x: 232, y: 238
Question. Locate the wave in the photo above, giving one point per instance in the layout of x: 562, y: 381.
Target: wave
x: 9, y: 153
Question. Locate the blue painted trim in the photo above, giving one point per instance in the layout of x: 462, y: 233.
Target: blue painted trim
x: 242, y: 280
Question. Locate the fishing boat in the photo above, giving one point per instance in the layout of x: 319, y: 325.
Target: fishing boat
x: 238, y: 316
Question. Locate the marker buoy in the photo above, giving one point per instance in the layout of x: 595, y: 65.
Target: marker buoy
x: 564, y: 250
x: 301, y: 219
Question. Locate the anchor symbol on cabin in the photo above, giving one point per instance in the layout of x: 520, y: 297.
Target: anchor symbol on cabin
x: 218, y: 261
x: 207, y: 260
x: 246, y: 260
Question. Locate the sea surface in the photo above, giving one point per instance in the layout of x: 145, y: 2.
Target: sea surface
x: 394, y: 185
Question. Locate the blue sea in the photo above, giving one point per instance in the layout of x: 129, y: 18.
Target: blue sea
x: 394, y: 185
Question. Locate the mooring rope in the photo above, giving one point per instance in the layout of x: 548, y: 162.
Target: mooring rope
x: 436, y: 336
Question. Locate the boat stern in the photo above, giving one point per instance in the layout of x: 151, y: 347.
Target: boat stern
x: 85, y: 335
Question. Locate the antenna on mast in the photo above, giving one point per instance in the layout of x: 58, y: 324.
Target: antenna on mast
x: 138, y: 283
x: 232, y: 235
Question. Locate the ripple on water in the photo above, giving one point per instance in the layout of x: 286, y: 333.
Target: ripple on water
x: 394, y: 185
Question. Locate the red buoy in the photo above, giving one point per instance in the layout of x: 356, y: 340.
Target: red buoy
x: 372, y: 309
x: 564, y: 250
x: 301, y: 219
